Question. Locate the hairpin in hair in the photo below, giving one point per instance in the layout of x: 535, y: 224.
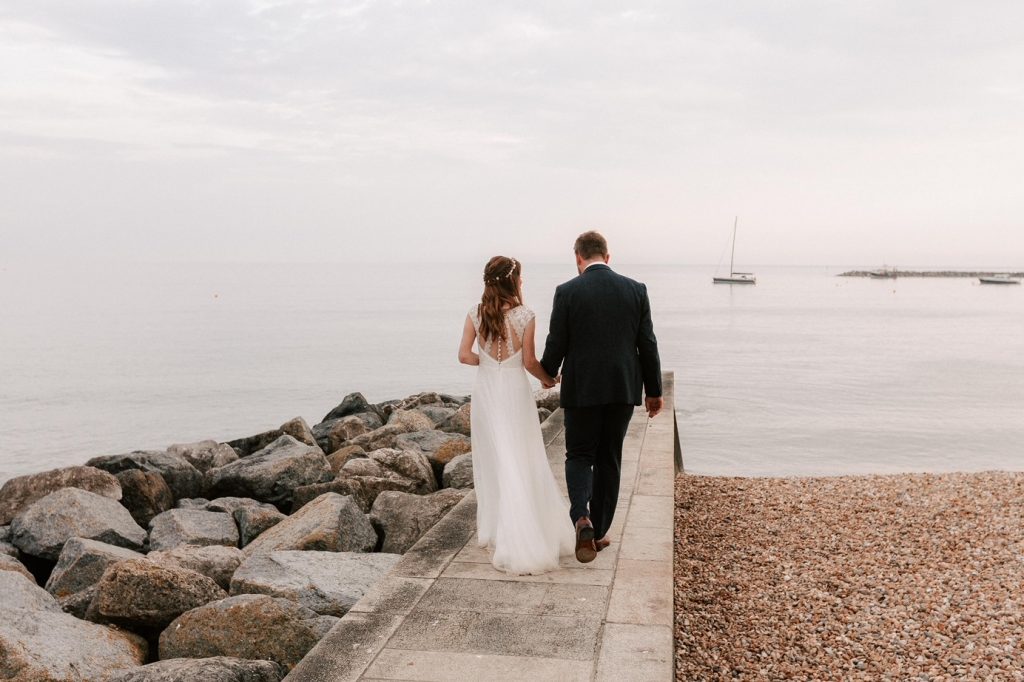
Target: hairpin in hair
x: 507, y: 275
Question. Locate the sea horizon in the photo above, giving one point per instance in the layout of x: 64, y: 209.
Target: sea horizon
x: 567, y: 262
x: 803, y: 374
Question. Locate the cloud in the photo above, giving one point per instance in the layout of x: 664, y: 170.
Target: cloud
x: 417, y: 125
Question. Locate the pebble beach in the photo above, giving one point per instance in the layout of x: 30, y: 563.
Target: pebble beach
x: 896, y: 577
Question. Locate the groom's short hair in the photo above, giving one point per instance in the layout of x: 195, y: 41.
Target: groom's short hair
x: 591, y: 245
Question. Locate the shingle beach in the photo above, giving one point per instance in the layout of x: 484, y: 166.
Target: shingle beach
x: 897, y: 577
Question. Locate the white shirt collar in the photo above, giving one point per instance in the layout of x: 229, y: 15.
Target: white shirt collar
x: 593, y: 264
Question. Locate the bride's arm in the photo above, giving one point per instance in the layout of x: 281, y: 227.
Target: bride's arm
x: 466, y: 354
x: 530, y: 361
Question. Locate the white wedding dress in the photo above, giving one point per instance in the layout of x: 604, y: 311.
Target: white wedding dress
x: 520, y: 512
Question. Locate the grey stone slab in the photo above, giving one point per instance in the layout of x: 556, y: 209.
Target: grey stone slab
x: 569, y: 637
x: 662, y: 421
x: 635, y: 652
x: 631, y: 450
x: 393, y: 594
x: 638, y: 424
x: 489, y: 596
x: 397, y: 664
x: 590, y: 601
x: 656, y: 456
x: 481, y: 555
x: 432, y: 552
x: 647, y: 544
x: 641, y: 593
x: 656, y: 480
x: 473, y: 553
x: 652, y: 511
x: 574, y: 576
x: 345, y: 652
x: 659, y: 447
x: 634, y: 440
x: 627, y: 477
x: 661, y: 430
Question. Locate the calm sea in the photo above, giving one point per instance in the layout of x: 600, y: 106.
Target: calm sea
x: 804, y: 373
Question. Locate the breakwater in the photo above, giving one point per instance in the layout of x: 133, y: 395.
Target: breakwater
x: 222, y: 558
x: 929, y: 273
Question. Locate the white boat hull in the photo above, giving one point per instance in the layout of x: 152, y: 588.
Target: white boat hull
x: 998, y: 280
x: 734, y: 280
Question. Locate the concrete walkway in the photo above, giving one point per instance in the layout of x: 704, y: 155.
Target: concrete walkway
x: 444, y: 613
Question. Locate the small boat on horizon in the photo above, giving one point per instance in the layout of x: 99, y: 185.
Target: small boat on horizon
x: 735, y: 277
x: 998, y: 279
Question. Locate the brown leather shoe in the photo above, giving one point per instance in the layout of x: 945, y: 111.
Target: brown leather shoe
x: 602, y: 543
x: 586, y: 551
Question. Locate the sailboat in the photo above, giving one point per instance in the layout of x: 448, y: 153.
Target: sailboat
x: 735, y: 277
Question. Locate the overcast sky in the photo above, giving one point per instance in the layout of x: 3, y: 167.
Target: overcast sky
x: 855, y: 132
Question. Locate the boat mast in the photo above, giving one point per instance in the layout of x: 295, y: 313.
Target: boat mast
x: 732, y: 256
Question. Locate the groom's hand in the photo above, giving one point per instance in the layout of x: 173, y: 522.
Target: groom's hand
x: 654, y: 406
x: 547, y: 384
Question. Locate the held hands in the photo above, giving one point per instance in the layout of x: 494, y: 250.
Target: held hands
x: 551, y: 383
x: 654, y: 406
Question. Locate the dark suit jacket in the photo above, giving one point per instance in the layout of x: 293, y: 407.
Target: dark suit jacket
x: 602, y: 337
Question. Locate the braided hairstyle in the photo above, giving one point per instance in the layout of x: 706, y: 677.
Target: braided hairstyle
x: 502, y: 288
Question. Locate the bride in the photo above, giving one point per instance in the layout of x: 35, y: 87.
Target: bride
x: 520, y: 512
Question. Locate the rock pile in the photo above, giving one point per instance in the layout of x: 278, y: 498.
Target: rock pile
x: 219, y: 560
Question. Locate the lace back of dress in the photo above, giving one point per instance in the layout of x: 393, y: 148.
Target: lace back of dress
x: 515, y: 325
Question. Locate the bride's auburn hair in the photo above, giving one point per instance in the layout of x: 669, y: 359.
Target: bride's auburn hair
x: 502, y: 290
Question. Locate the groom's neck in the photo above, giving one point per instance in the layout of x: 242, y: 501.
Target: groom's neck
x: 587, y: 263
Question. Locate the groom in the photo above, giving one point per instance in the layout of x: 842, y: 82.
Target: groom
x: 602, y: 337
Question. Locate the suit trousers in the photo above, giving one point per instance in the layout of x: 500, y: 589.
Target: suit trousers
x: 593, y: 461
